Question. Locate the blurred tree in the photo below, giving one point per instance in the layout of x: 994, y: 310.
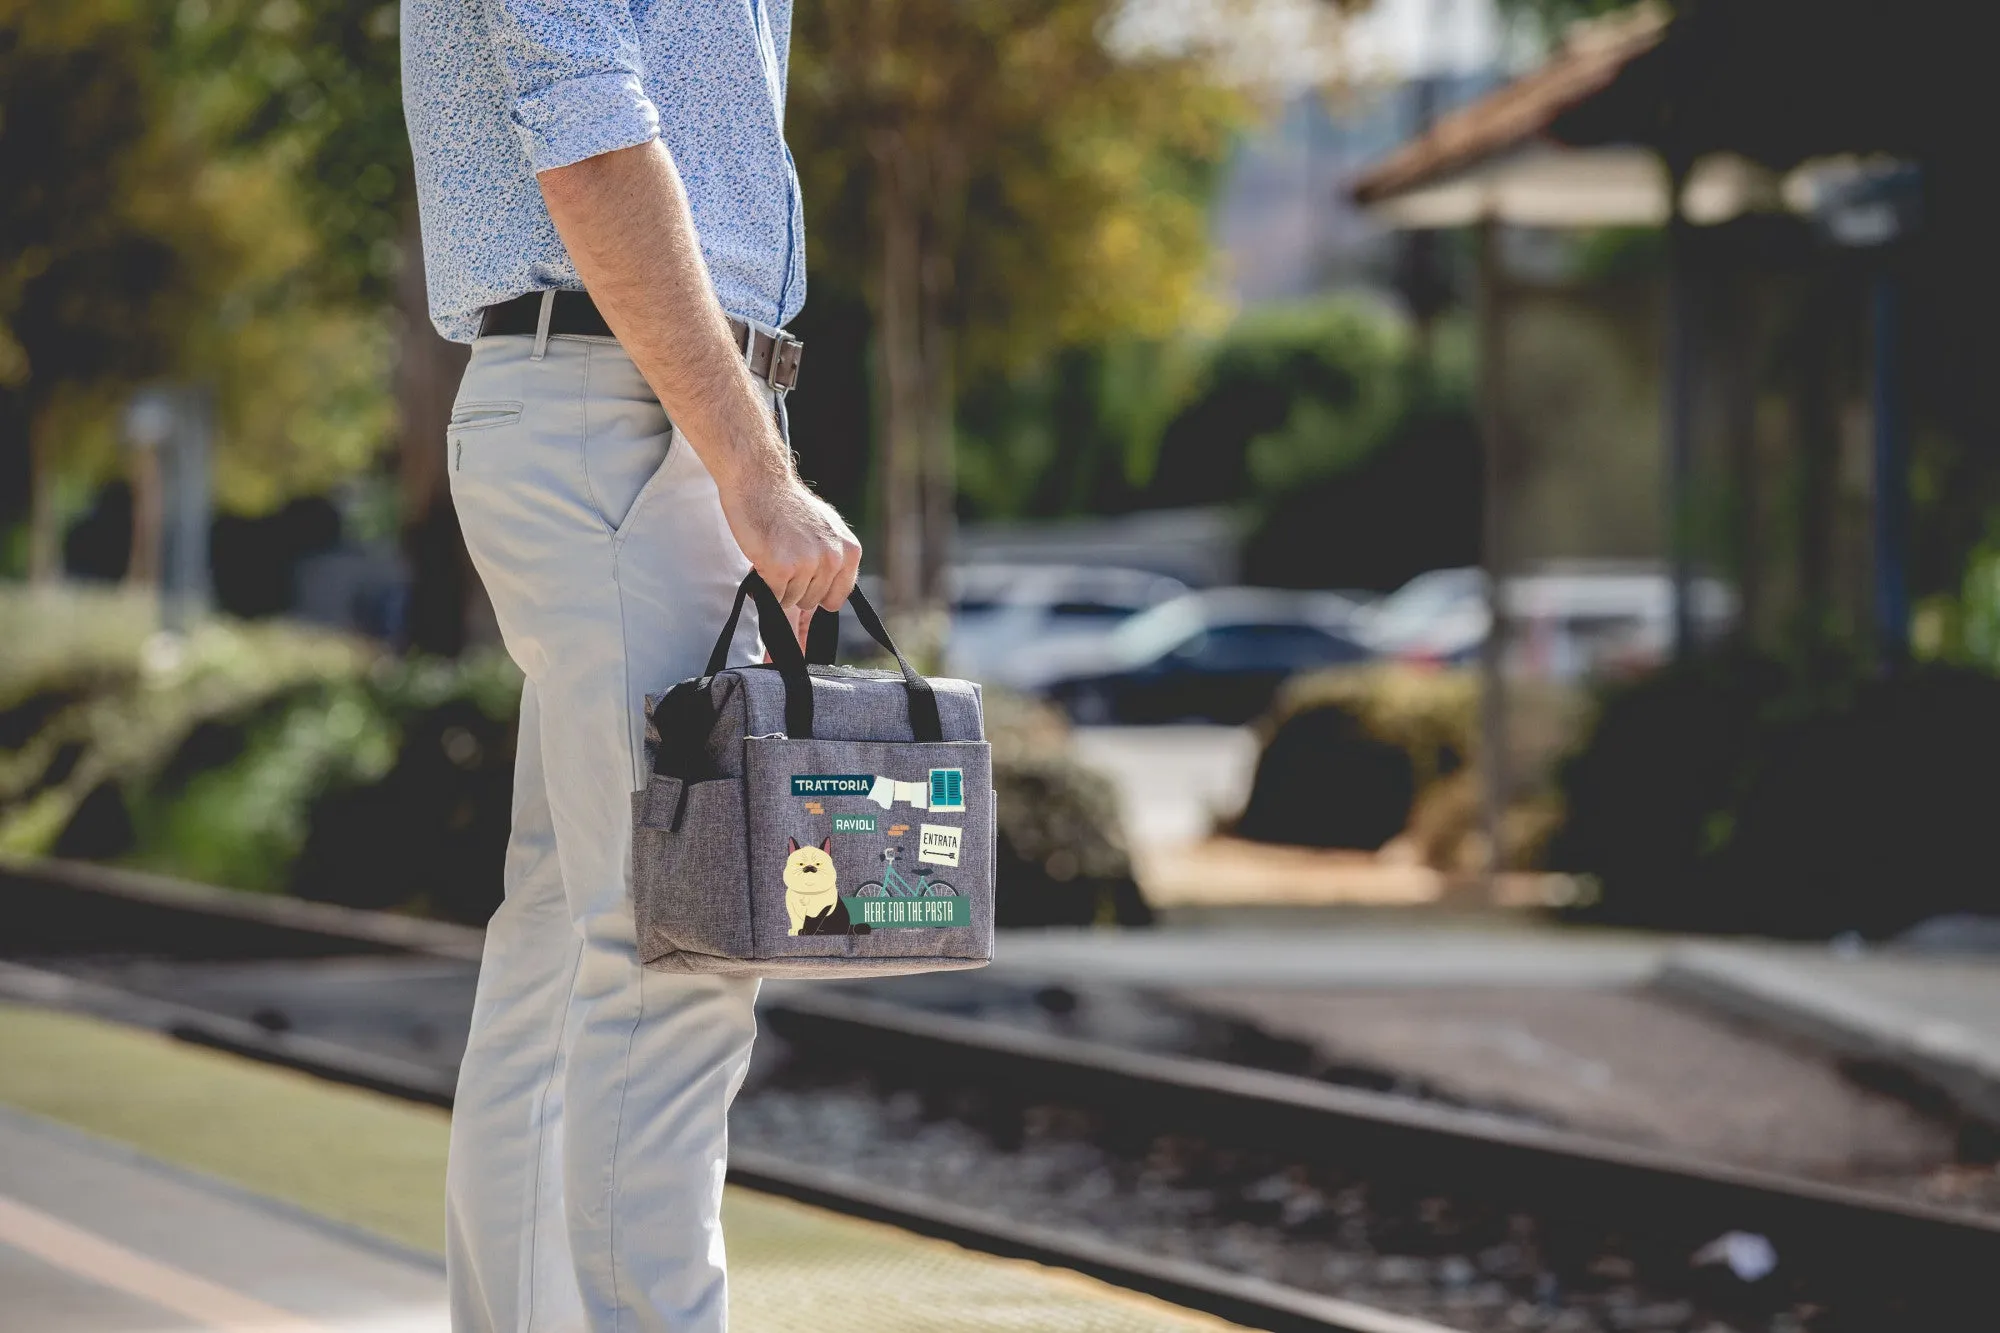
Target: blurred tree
x: 997, y: 182
x: 1288, y: 392
x: 85, y: 267
x: 1548, y: 18
x: 138, y: 240
x: 320, y: 81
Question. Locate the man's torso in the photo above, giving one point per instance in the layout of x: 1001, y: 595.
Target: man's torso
x: 715, y: 69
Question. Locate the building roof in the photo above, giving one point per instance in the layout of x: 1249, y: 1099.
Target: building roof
x: 1521, y: 113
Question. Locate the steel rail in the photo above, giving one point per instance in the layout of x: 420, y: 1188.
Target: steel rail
x: 1845, y: 1237
x: 1250, y: 1301
x: 1842, y: 1234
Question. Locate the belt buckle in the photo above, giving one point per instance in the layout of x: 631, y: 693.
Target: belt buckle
x: 779, y: 341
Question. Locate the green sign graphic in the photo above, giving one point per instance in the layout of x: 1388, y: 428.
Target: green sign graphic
x: 895, y: 913
x: 854, y: 823
x: 832, y: 784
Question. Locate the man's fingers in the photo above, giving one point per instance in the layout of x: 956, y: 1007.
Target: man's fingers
x: 801, y: 618
x: 821, y: 587
x: 843, y: 582
x: 785, y: 585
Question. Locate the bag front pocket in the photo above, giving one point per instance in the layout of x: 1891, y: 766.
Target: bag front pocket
x: 688, y: 876
x: 868, y: 849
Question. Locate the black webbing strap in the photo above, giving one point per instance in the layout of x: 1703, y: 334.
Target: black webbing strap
x: 924, y: 724
x: 823, y: 638
x: 783, y: 646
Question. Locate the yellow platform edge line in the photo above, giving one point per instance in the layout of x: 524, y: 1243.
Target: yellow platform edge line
x: 377, y: 1163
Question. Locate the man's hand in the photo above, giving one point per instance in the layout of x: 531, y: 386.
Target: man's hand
x: 624, y: 218
x: 798, y: 542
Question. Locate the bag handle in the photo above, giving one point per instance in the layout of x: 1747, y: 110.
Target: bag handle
x: 823, y: 638
x: 783, y: 647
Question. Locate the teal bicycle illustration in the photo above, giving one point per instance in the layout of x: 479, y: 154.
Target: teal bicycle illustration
x: 893, y: 885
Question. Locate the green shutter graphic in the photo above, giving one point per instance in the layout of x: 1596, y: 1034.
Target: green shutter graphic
x: 947, y: 789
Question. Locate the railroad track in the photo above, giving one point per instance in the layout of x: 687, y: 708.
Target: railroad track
x: 1848, y: 1243
x: 1837, y: 1230
x: 65, y: 909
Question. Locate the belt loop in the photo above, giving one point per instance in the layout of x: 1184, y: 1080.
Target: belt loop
x: 542, y: 325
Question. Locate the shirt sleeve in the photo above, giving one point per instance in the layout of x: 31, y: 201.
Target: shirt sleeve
x: 574, y: 77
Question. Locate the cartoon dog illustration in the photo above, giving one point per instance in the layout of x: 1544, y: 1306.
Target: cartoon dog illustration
x: 812, y: 893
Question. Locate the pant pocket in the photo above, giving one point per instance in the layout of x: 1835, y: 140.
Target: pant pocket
x: 655, y: 481
x: 481, y: 416
x: 627, y: 442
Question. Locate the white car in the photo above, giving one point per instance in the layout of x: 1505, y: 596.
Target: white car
x: 1003, y: 617
x: 1568, y: 622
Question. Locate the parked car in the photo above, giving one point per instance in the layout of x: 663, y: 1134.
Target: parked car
x: 1003, y: 616
x: 1568, y: 622
x: 1216, y: 656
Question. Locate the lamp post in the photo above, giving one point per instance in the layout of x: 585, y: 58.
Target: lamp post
x: 168, y: 429
x: 1876, y: 209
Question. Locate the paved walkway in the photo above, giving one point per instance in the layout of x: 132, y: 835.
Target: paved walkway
x: 152, y: 1187
x: 98, y: 1237
x: 1935, y: 1018
x: 1330, y: 955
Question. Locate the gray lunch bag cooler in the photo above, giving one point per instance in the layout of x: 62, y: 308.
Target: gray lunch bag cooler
x: 810, y: 820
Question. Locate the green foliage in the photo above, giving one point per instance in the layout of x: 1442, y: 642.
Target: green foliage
x: 161, y: 222
x: 316, y: 82
x: 1076, y: 431
x: 242, y: 824
x: 1282, y: 397
x: 91, y: 694
x: 1061, y: 853
x: 218, y: 745
x: 90, y: 265
x: 1289, y: 393
x: 1077, y: 180
x: 1741, y: 796
x: 1549, y: 18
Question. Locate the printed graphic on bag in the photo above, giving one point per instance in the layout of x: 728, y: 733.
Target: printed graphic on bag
x: 942, y: 789
x: 894, y: 884
x: 894, y: 913
x: 948, y: 790
x: 833, y: 784
x: 854, y: 823
x: 812, y: 894
x: 938, y: 844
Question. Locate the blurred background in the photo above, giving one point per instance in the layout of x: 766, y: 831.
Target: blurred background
x: 1478, y: 521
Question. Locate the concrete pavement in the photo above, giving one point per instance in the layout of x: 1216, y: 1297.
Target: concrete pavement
x: 95, y: 1238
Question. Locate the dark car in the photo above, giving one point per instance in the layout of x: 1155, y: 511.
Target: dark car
x: 1214, y: 656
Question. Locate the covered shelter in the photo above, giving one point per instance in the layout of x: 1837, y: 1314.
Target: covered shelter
x: 1836, y: 127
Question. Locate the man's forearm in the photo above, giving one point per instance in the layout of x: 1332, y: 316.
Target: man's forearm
x: 624, y: 218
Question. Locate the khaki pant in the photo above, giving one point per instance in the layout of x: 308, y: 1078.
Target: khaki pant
x: 589, y: 1137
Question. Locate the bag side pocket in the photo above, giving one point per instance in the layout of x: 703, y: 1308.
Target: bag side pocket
x: 688, y: 875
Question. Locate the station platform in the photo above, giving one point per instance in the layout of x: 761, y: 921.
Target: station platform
x: 147, y: 1186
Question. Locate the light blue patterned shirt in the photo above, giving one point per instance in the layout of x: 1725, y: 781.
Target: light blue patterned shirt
x: 497, y: 90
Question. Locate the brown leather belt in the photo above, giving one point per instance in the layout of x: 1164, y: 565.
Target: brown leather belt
x: 772, y: 358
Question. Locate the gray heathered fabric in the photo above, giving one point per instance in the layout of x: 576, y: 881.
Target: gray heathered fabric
x: 710, y: 895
